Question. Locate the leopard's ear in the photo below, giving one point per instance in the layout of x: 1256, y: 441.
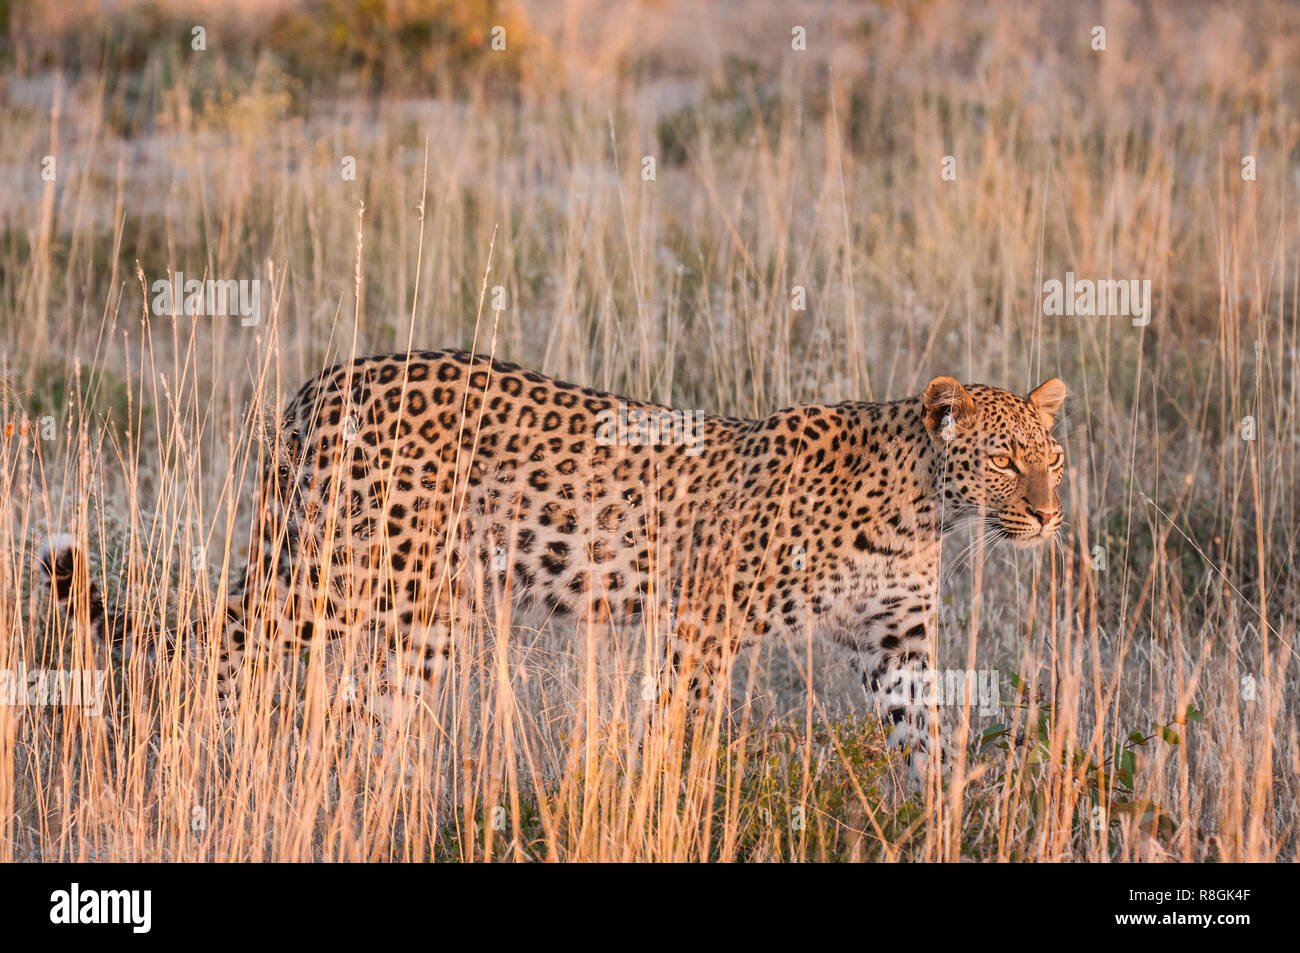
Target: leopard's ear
x: 1047, y: 398
x: 944, y: 396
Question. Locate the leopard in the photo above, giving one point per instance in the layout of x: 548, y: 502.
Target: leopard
x: 406, y: 491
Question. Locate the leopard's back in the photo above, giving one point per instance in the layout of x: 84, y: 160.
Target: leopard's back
x: 444, y: 465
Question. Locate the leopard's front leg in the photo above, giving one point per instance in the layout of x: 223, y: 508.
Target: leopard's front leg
x: 894, y: 659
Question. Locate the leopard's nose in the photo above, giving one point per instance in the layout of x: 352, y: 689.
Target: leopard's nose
x: 1045, y: 516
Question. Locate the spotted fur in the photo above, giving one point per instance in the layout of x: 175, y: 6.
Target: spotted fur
x: 408, y: 488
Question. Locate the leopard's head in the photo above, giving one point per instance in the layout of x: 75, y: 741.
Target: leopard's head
x: 997, y: 456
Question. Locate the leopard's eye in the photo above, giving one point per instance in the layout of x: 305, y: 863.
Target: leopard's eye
x: 1056, y: 460
x: 1002, y: 462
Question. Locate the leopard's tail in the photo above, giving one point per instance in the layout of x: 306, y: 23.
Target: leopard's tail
x: 67, y: 572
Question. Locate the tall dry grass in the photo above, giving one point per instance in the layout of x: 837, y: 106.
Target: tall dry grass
x: 1173, y: 585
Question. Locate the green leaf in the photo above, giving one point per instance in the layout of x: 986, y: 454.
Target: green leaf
x: 992, y: 734
x: 1017, y: 682
x: 1193, y: 714
x: 1168, y: 734
x: 1165, y: 827
x: 1137, y: 738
